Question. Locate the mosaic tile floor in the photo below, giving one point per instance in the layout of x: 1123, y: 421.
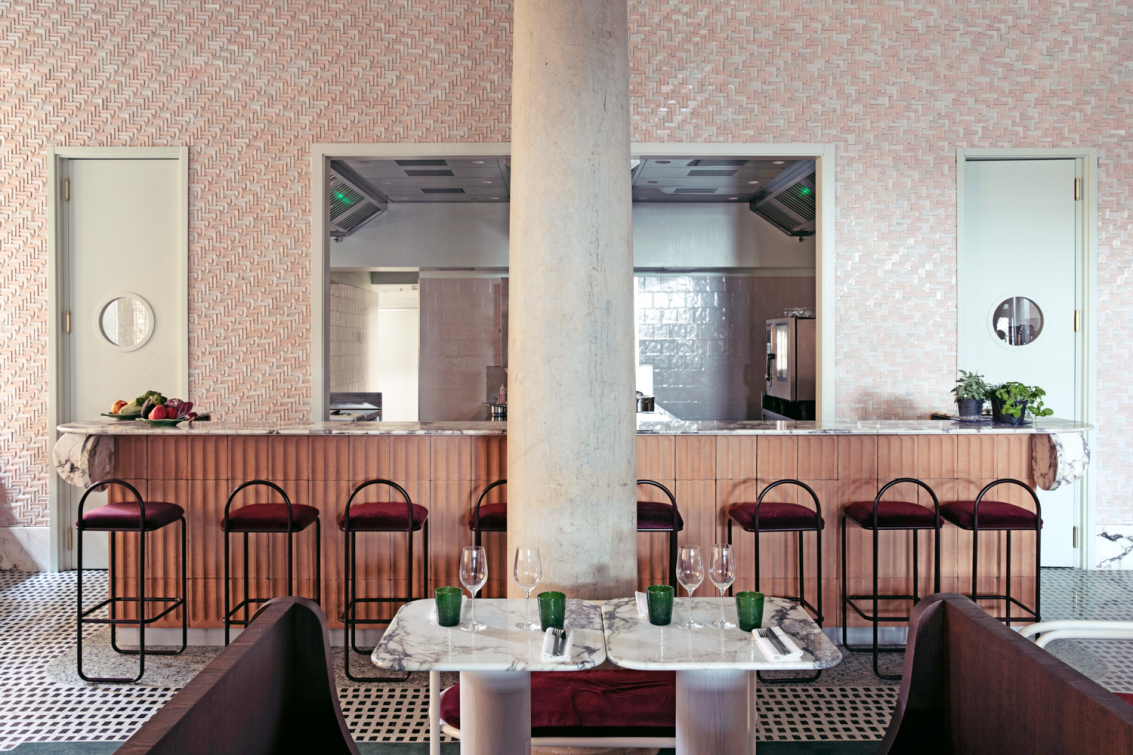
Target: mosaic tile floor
x: 41, y: 700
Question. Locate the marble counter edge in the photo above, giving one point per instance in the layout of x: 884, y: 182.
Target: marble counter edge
x: 700, y: 428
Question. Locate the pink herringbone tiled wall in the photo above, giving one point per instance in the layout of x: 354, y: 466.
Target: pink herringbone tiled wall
x: 249, y: 86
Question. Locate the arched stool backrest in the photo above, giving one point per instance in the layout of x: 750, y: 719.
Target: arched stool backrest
x: 479, y: 502
x: 248, y: 484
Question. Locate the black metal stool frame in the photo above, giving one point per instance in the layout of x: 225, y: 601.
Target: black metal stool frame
x: 849, y: 600
x: 349, y: 620
x: 142, y: 601
x: 672, y: 531
x: 247, y: 601
x: 476, y: 514
x: 801, y: 599
x: 1033, y: 615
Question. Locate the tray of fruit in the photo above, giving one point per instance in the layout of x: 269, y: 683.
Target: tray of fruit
x: 155, y: 410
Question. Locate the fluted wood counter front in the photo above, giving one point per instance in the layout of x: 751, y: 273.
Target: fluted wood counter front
x: 708, y: 469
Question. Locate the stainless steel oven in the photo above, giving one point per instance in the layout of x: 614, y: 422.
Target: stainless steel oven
x: 791, y: 370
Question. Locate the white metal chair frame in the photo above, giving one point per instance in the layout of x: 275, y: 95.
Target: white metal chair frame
x: 1046, y: 632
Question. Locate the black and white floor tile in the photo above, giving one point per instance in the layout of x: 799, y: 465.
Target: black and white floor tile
x: 43, y: 700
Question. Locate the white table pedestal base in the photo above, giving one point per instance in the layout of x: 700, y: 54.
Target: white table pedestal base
x: 495, y: 712
x: 715, y: 712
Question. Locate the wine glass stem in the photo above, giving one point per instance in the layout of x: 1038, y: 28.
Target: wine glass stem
x: 527, y: 608
x: 474, y: 607
x: 689, y: 591
x: 722, y: 591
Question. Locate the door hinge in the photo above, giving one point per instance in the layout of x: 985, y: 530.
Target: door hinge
x: 67, y: 190
x: 1077, y: 189
x: 1077, y: 320
x: 67, y: 322
x: 69, y: 536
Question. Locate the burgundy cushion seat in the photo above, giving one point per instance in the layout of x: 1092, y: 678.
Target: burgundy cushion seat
x: 777, y: 517
x: 593, y: 703
x: 128, y: 516
x: 270, y: 517
x: 383, y: 517
x: 1126, y: 696
x: 994, y: 515
x: 652, y: 515
x: 493, y: 518
x: 891, y: 514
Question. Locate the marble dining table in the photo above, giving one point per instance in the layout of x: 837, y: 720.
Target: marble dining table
x: 716, y: 668
x: 495, y: 666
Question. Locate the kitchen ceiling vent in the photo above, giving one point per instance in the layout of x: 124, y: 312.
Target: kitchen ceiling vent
x: 710, y: 163
x: 718, y: 173
x: 789, y: 200
x: 429, y: 173
x: 350, y: 204
x: 442, y: 191
x: 685, y: 190
x: 422, y: 163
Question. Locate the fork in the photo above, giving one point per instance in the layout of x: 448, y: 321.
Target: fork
x: 767, y: 634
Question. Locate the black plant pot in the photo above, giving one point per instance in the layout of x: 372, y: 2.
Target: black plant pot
x: 1007, y: 419
x: 970, y: 408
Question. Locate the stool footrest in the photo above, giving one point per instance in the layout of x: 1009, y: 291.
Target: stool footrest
x: 851, y: 598
x: 83, y: 617
x: 239, y: 606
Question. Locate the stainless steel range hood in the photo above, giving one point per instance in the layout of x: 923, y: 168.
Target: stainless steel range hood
x: 788, y: 201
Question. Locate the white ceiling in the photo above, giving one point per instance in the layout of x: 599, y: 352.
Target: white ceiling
x: 488, y: 179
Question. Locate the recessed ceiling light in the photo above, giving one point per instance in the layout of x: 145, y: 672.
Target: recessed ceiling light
x: 650, y: 182
x: 663, y: 162
x: 733, y: 197
x: 477, y: 162
x: 387, y: 183
x: 777, y: 162
x: 493, y: 197
x: 485, y: 182
x: 753, y: 182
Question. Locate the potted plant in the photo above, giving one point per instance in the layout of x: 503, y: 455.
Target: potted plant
x: 970, y: 391
x: 1013, y: 402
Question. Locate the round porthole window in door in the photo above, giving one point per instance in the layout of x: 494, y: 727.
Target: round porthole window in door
x: 1017, y: 321
x: 125, y: 321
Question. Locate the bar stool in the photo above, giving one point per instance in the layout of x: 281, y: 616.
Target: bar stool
x: 275, y: 518
x: 140, y: 517
x: 774, y: 516
x: 889, y: 515
x: 1002, y: 517
x: 652, y: 517
x: 389, y: 516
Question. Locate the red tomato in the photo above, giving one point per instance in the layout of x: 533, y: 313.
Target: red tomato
x: 158, y: 412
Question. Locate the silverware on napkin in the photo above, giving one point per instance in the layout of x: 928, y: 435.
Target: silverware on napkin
x: 768, y: 634
x: 559, y: 643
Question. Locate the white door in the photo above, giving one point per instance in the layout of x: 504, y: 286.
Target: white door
x: 1017, y: 284
x: 126, y: 292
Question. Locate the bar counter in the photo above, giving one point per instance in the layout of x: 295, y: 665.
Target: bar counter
x: 445, y: 465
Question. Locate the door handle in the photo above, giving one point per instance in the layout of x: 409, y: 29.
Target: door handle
x: 770, y: 359
x: 67, y: 322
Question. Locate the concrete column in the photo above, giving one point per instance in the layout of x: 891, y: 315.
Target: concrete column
x: 571, y: 417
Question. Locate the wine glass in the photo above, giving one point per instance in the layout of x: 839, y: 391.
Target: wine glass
x: 722, y: 572
x: 528, y: 571
x: 690, y: 573
x: 473, y: 575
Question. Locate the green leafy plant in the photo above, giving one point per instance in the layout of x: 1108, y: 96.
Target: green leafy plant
x: 1014, y: 395
x: 970, y: 385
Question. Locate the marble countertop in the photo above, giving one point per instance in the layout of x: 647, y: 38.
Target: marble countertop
x: 644, y: 427
x: 632, y: 642
x: 413, y: 643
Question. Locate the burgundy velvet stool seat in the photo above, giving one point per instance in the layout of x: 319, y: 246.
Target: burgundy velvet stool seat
x: 119, y: 518
x: 997, y: 516
x: 377, y: 516
x: 878, y: 516
x: 285, y: 518
x: 762, y: 516
x: 594, y: 704
x: 652, y: 516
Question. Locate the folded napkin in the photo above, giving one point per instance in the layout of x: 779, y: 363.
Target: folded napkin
x: 433, y: 611
x: 642, y: 603
x: 769, y: 651
x: 549, y: 642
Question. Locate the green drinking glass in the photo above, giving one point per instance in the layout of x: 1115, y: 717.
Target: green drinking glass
x: 552, y: 610
x: 448, y: 605
x: 660, y: 601
x: 749, y: 608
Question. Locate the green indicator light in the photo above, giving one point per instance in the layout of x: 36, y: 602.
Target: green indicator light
x: 806, y: 191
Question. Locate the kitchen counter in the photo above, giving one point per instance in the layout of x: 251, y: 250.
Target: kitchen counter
x: 664, y: 426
